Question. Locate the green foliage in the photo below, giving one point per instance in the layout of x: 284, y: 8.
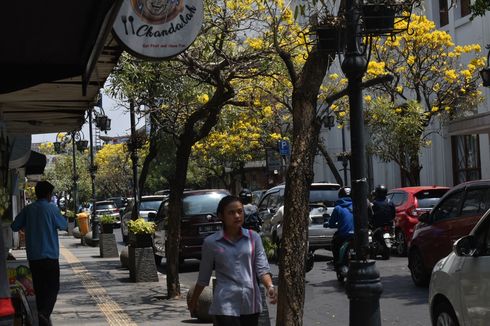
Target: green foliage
x: 140, y: 226
x: 107, y: 219
x: 479, y: 8
x: 396, y: 130
x: 60, y: 174
x: 70, y: 215
x: 269, y: 247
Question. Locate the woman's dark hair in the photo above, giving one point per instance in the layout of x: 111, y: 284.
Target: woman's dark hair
x: 225, y: 201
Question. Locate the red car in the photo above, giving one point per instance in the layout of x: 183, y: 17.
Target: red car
x: 410, y: 203
x: 454, y: 216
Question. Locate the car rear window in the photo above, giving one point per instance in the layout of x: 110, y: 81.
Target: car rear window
x: 197, y: 204
x: 150, y: 205
x: 324, y: 196
x: 104, y: 206
x: 429, y: 198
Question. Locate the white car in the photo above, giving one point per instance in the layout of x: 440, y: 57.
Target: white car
x: 460, y: 284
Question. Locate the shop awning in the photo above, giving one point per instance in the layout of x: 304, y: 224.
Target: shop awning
x: 55, y: 57
x: 36, y: 163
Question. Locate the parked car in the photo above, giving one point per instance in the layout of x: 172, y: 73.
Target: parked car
x: 257, y: 196
x: 319, y: 237
x: 453, y: 217
x: 107, y: 207
x: 322, y: 194
x: 148, y: 204
x: 410, y: 203
x: 199, y: 219
x: 460, y: 285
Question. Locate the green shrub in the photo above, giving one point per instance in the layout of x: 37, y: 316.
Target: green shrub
x: 140, y: 226
x: 269, y: 248
x: 70, y: 215
x: 107, y: 219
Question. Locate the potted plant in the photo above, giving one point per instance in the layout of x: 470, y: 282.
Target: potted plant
x: 70, y: 217
x: 142, y: 231
x: 107, y: 222
x: 379, y: 15
x: 330, y: 33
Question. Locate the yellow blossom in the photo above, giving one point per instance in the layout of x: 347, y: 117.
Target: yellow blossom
x: 203, y: 98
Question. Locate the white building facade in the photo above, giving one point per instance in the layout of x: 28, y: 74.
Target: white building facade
x: 461, y: 152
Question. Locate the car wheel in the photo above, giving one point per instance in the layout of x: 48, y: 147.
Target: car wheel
x: 158, y: 260
x: 417, y: 269
x: 401, y: 244
x: 386, y: 253
x: 444, y: 315
x: 125, y: 238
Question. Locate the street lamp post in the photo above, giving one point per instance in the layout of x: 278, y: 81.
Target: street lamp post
x: 104, y: 124
x: 134, y: 159
x: 485, y: 72
x: 363, y: 284
x: 92, y: 170
x: 77, y: 143
x: 75, y: 174
x: 361, y: 20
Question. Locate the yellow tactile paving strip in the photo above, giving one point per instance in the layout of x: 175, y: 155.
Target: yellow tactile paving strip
x: 112, y: 311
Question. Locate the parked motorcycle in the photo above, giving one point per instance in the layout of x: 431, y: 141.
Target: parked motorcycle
x: 381, y: 241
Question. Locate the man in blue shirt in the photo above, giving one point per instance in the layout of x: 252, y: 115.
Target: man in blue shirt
x: 342, y: 219
x: 41, y: 221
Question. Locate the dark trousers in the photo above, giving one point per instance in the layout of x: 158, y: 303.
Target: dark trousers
x: 243, y: 320
x: 46, y: 281
x: 337, y: 242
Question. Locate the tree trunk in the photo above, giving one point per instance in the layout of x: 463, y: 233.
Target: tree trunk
x: 306, y: 127
x: 331, y: 164
x: 152, y: 154
x: 175, y: 208
x: 209, y: 116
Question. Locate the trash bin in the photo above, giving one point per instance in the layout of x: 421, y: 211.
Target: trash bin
x: 82, y: 219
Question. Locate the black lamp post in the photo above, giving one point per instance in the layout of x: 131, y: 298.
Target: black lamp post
x: 77, y: 143
x: 485, y: 72
x: 104, y: 124
x: 363, y: 19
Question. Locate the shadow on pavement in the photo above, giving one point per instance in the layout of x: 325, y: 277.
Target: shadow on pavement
x: 401, y: 287
x: 189, y: 266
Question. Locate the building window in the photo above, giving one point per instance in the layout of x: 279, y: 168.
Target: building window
x: 465, y: 7
x: 443, y: 13
x: 466, y: 158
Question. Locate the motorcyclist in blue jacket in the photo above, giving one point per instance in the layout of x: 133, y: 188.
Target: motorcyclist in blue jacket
x: 342, y: 219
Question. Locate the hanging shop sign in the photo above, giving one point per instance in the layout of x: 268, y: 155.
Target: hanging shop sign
x: 158, y: 29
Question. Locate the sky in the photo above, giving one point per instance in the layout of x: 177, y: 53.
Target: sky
x: 120, y: 124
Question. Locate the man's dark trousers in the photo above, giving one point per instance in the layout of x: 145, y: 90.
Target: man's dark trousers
x: 46, y: 281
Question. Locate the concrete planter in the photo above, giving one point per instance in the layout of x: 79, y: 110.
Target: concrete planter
x: 107, y: 245
x: 71, y: 227
x: 142, y: 266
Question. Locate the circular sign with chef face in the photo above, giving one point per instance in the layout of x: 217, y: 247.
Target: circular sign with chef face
x: 158, y: 29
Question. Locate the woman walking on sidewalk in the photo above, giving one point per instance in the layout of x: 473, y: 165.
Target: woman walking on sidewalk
x: 239, y: 260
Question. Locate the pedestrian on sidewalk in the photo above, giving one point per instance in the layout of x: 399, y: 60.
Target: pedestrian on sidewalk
x: 240, y: 262
x: 40, y: 221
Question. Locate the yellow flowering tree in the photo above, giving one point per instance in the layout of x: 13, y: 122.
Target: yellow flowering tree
x: 428, y: 68
x: 114, y: 174
x: 241, y: 135
x: 183, y: 97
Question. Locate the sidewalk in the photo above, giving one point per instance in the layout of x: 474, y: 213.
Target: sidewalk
x: 97, y: 291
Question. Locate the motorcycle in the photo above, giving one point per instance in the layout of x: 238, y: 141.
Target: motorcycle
x: 381, y: 241
x: 346, y: 253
